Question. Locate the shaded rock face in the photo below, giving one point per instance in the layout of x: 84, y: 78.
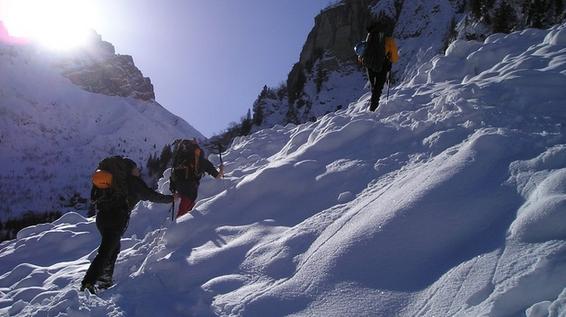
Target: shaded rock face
x: 99, y: 70
x: 337, y: 29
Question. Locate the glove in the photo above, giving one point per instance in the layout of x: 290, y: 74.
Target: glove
x: 220, y: 172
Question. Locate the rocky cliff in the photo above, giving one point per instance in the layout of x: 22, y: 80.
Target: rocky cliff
x: 97, y: 68
x: 327, y: 77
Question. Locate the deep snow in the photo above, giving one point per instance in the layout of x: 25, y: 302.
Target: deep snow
x: 447, y: 202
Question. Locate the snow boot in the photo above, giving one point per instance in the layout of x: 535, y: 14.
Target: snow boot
x: 89, y: 287
x: 104, y: 283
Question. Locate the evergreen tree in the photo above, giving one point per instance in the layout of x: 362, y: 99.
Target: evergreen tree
x: 246, y: 125
x: 258, y: 107
x: 558, y: 9
x: 504, y: 18
x: 258, y: 113
x: 291, y: 116
x: 536, y: 14
x: 475, y: 8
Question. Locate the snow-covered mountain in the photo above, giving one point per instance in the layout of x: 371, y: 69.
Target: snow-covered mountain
x: 53, y: 131
x: 449, y: 201
x: 327, y: 75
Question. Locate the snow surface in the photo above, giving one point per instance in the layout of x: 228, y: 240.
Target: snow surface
x: 53, y: 133
x: 449, y: 201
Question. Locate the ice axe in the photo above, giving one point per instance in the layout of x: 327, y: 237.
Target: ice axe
x: 220, y: 154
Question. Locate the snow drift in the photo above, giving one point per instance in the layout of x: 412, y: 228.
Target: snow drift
x: 446, y: 202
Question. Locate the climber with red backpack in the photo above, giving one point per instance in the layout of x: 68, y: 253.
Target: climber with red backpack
x: 377, y: 53
x: 189, y: 165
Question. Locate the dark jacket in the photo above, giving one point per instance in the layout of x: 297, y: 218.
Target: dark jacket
x: 114, y: 212
x: 189, y: 186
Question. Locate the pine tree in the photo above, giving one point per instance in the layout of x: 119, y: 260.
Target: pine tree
x: 246, y: 125
x: 558, y: 9
x: 291, y: 116
x: 258, y: 113
x: 536, y: 14
x: 504, y: 18
x: 475, y: 8
x: 258, y: 107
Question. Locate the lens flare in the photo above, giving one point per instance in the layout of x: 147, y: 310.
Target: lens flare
x: 57, y: 24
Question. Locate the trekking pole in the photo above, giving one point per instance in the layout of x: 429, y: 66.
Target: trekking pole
x: 173, y: 210
x: 388, y: 86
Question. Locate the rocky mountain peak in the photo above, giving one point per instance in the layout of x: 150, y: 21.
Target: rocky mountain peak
x: 97, y: 68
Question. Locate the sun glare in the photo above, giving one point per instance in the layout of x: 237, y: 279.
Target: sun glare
x: 57, y: 24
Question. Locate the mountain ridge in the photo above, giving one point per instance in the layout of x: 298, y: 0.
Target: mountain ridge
x: 54, y: 131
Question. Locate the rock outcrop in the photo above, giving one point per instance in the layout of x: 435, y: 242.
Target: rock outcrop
x: 337, y: 29
x: 97, y: 68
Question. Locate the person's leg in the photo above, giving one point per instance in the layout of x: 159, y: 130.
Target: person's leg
x: 185, y: 205
x: 105, y: 280
x: 109, y: 246
x: 188, y: 199
x: 372, y: 78
x: 377, y: 88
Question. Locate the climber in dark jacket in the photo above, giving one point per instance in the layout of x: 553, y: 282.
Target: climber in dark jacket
x: 187, y: 186
x: 380, y: 31
x: 112, y: 219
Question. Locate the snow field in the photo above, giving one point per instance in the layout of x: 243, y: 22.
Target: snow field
x: 446, y: 202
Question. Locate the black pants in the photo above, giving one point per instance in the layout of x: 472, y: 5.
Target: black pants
x: 377, y: 81
x: 102, y: 267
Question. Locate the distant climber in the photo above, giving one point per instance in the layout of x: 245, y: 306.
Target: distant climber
x: 117, y: 188
x: 377, y: 53
x: 189, y: 165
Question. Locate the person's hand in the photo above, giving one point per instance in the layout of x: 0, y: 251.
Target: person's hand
x: 220, y: 172
x: 176, y: 195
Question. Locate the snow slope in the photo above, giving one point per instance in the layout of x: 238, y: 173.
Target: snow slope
x: 53, y: 132
x: 447, y: 202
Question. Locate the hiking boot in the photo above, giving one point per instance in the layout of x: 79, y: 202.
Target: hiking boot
x: 104, y: 284
x: 89, y: 287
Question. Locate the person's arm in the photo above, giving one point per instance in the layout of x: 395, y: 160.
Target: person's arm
x: 209, y: 168
x: 146, y: 193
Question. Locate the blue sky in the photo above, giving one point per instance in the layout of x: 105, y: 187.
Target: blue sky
x: 209, y: 59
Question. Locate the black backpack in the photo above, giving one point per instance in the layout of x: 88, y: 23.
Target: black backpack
x: 374, y: 55
x: 186, y: 158
x: 114, y: 187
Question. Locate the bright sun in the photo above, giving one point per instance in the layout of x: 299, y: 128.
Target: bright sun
x: 57, y: 24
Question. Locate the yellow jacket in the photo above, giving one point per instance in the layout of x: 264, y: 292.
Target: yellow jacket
x: 391, y: 50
